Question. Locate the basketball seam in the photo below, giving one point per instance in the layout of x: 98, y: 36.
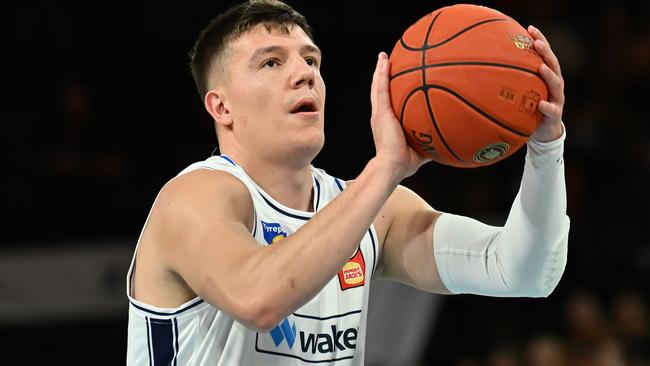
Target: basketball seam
x: 426, y: 96
x: 433, y: 120
x: 465, y: 63
x: 426, y: 47
x: 426, y: 92
x: 474, y: 107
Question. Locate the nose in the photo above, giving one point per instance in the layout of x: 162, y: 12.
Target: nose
x: 303, y: 74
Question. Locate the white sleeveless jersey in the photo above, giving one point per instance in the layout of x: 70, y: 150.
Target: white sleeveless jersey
x: 329, y: 329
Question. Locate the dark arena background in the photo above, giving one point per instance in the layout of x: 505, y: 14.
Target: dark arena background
x: 99, y: 110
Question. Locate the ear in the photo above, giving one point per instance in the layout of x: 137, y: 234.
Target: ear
x: 215, y: 105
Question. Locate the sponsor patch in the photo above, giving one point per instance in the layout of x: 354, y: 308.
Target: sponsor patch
x: 311, y: 338
x: 353, y: 273
x: 273, y: 232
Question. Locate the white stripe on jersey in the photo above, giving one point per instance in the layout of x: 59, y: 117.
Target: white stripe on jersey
x: 330, y: 328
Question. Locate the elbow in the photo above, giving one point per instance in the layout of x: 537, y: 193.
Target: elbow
x: 546, y: 275
x: 264, y: 319
x: 255, y: 308
x: 552, y: 275
x: 554, y: 268
x: 542, y: 284
x: 259, y: 313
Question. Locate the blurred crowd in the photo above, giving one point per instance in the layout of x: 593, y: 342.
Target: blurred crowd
x: 101, y: 111
x: 593, y: 333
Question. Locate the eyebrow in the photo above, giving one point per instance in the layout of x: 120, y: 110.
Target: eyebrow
x: 308, y: 48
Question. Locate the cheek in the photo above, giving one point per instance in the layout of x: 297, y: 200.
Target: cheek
x: 321, y: 88
x: 260, y: 100
x: 253, y: 103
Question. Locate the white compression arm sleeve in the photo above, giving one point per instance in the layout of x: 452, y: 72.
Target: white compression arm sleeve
x: 527, y: 256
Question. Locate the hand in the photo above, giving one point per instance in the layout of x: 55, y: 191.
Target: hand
x: 550, y: 127
x: 390, y: 142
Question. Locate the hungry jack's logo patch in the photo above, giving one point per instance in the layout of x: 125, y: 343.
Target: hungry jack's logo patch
x: 353, y: 273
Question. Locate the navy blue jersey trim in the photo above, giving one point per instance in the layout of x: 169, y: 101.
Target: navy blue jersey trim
x: 228, y: 159
x: 254, y: 223
x: 162, y: 341
x: 166, y: 314
x: 282, y: 211
x: 148, y: 339
x: 176, y: 335
x: 374, y: 251
x: 297, y: 357
x: 328, y: 317
x: 338, y: 183
x: 317, y: 194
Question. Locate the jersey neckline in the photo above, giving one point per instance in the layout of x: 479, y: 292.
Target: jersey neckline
x: 275, y: 204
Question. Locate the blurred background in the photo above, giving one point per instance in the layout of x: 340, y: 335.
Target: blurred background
x: 99, y: 110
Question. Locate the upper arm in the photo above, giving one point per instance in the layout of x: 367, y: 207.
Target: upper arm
x: 201, y: 225
x: 407, y: 223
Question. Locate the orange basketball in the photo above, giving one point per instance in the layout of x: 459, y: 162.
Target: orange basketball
x: 465, y: 85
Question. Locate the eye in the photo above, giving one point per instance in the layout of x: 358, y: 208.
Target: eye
x: 270, y: 63
x: 311, y: 61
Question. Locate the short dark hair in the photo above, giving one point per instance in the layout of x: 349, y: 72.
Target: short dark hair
x: 227, y: 27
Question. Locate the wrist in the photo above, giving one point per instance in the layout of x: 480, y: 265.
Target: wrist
x: 544, y: 153
x: 558, y: 140
x: 386, y: 171
x: 548, y: 133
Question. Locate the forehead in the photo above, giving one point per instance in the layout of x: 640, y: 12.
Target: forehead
x: 259, y: 37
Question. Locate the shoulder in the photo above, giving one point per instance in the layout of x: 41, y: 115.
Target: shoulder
x: 201, y: 193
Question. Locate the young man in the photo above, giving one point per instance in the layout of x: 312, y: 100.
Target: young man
x: 255, y: 257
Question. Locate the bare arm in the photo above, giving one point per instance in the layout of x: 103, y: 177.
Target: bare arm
x: 408, y: 222
x: 208, y: 243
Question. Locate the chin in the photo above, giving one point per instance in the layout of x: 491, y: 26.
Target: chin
x: 307, y: 146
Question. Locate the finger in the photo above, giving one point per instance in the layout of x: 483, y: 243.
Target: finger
x: 374, y: 85
x: 549, y: 109
x: 383, y: 94
x: 380, y: 96
x: 554, y: 83
x: 537, y: 34
x: 543, y: 47
x: 548, y: 56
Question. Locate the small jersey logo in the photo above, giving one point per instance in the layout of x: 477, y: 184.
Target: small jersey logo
x: 273, y: 232
x: 284, y: 331
x: 353, y: 273
x: 491, y: 152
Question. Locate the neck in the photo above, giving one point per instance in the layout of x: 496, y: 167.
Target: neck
x: 287, y: 183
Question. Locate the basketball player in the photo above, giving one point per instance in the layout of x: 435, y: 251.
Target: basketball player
x: 255, y: 257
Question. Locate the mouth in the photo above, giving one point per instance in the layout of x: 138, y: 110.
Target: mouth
x: 305, y: 106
